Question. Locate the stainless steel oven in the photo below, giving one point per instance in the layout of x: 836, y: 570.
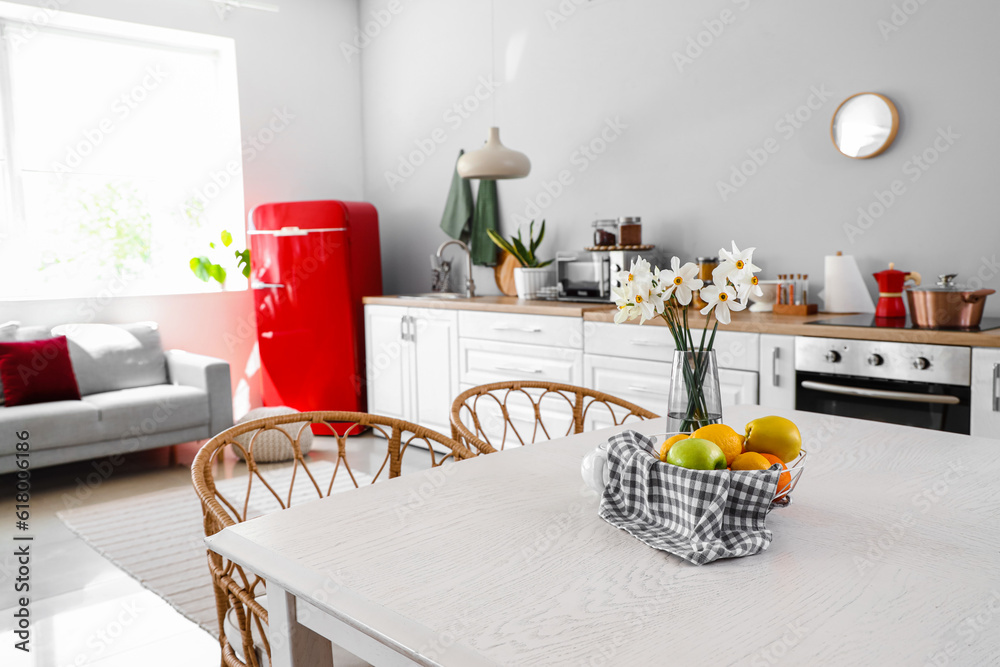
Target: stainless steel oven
x: 928, y: 386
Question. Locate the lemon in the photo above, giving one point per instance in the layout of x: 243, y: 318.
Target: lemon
x: 774, y: 435
x: 728, y: 440
x: 751, y: 461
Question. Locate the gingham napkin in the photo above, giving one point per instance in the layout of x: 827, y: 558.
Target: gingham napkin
x: 699, y: 515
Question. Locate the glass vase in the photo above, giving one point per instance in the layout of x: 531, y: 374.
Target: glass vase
x: 695, y: 399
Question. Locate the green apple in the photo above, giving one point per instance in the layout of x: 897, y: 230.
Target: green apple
x: 697, y: 454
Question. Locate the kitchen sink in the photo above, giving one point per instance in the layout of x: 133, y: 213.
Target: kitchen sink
x: 434, y: 296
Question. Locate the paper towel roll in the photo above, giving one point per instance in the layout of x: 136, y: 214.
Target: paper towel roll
x: 845, y: 291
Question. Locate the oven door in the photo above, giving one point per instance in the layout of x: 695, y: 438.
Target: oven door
x: 933, y: 406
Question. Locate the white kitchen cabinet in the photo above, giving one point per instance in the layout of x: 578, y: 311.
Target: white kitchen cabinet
x: 412, y: 364
x: 733, y: 349
x: 777, y: 371
x: 647, y: 384
x: 986, y: 392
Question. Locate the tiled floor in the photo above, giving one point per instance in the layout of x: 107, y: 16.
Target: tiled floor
x: 84, y: 610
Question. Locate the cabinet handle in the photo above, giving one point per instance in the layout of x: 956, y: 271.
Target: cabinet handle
x: 402, y: 328
x: 645, y: 343
x: 996, y: 380
x: 521, y: 329
x: 532, y: 371
x: 775, y: 355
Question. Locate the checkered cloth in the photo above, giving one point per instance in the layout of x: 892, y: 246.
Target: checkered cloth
x: 699, y: 515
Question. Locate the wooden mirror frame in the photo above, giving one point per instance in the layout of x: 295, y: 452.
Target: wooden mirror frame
x: 893, y: 130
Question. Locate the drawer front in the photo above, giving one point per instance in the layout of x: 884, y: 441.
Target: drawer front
x: 645, y: 383
x: 733, y: 349
x: 484, y: 361
x: 515, y: 328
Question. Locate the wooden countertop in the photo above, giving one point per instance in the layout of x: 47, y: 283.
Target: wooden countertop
x: 768, y: 323
x: 792, y: 325
x: 496, y: 304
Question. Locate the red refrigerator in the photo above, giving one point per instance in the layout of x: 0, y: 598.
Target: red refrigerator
x: 311, y: 263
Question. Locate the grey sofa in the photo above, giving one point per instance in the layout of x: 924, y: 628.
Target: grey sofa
x: 135, y: 396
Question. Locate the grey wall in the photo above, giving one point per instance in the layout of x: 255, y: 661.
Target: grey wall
x: 286, y: 61
x: 569, y: 68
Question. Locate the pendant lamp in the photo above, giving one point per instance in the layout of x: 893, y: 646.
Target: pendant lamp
x: 493, y: 161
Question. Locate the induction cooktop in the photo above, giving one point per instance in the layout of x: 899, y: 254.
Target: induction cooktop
x: 868, y: 320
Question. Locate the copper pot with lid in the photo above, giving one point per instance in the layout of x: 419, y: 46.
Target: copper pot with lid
x: 947, y: 305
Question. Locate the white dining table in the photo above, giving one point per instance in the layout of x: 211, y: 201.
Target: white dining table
x: 889, y: 554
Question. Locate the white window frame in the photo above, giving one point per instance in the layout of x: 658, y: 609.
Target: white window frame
x: 26, y: 20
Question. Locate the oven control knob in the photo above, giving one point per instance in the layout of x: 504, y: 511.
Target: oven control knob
x: 921, y: 363
x: 875, y: 360
x: 833, y: 356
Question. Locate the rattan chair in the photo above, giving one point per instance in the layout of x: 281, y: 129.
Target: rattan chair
x: 238, y: 593
x: 489, y: 417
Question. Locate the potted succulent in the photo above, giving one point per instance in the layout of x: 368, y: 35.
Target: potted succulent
x: 533, y: 274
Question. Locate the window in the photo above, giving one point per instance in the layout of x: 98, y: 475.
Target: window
x: 120, y: 156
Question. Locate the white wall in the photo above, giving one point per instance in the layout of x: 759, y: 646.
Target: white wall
x: 285, y: 61
x: 685, y: 129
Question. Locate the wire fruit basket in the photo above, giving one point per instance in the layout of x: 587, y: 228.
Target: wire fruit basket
x: 795, y: 468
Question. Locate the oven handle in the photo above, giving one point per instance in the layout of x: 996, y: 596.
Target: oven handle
x: 881, y: 393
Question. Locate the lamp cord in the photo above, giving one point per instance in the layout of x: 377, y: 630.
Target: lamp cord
x: 493, y: 59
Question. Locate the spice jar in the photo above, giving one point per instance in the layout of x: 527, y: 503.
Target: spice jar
x: 604, y: 232
x: 630, y: 231
x: 705, y: 267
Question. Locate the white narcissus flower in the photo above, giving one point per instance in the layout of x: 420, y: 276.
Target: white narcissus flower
x: 722, y: 299
x: 746, y: 289
x: 736, y: 266
x: 635, y: 301
x: 680, y: 280
x: 639, y: 273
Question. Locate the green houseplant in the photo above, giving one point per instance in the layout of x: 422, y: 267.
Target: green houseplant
x: 205, y: 269
x: 533, y: 273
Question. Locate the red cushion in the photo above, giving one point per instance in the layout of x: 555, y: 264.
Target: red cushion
x: 37, y: 372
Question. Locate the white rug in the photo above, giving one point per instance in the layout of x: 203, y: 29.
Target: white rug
x: 158, y: 538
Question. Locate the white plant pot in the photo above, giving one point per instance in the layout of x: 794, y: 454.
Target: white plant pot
x: 529, y: 281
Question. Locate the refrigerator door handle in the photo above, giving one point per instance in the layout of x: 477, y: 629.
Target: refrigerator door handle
x: 259, y: 285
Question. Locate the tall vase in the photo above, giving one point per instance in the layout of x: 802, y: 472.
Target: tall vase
x: 695, y: 399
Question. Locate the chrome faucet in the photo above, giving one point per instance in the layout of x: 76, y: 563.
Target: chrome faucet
x: 470, y: 285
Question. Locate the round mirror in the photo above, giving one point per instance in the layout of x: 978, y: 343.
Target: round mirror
x: 864, y: 125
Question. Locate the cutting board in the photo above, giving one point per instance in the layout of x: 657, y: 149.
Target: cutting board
x: 503, y: 273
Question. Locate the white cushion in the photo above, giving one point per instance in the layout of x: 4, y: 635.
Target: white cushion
x: 271, y: 446
x: 142, y: 411
x: 109, y: 357
x: 52, y: 424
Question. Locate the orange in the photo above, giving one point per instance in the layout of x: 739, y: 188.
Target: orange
x: 751, y: 461
x: 786, y: 477
x: 728, y: 440
x: 665, y: 447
